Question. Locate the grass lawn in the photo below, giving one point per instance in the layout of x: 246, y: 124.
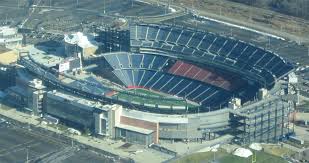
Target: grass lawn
x: 224, y: 157
x: 151, y: 97
x: 277, y: 150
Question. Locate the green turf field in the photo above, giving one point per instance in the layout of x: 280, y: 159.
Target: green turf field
x: 149, y: 97
x: 223, y: 157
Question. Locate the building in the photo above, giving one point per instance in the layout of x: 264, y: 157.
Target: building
x: 7, y: 76
x: 35, y: 92
x: 113, y: 40
x: 70, y: 64
x: 103, y: 120
x: 9, y: 37
x: 71, y: 110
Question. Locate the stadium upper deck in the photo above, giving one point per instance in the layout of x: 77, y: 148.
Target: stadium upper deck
x: 216, y: 50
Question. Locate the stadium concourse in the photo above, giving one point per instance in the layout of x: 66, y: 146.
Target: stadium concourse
x: 169, y: 83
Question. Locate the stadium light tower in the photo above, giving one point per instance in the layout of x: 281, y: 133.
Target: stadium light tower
x: 27, y: 157
x: 167, y: 6
x: 6, y: 19
x: 104, y: 6
x: 250, y: 10
x: 221, y: 3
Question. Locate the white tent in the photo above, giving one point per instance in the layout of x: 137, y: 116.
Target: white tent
x: 256, y: 146
x: 80, y: 39
x: 242, y: 152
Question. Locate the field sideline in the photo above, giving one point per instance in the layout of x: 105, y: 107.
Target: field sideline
x: 150, y: 97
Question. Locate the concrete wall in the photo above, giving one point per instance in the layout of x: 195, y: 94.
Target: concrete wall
x: 173, y: 131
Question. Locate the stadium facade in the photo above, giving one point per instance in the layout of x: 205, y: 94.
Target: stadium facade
x: 153, y: 82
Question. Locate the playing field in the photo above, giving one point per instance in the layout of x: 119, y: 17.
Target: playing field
x: 144, y: 96
x: 224, y: 157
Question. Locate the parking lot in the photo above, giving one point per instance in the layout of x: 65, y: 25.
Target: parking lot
x: 15, y: 143
x: 19, y: 143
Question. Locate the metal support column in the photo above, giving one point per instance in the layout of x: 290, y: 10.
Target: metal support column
x: 261, y: 132
x: 268, y: 128
x: 282, y: 120
x: 275, y: 134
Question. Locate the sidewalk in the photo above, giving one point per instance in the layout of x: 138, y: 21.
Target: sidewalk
x: 106, y: 144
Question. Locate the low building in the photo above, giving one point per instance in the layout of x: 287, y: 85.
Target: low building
x: 71, y: 110
x: 17, y: 96
x: 7, y: 76
x: 9, y: 37
x: 104, y: 120
x: 292, y: 78
x: 35, y: 91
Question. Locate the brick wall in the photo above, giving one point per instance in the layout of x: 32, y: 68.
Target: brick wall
x: 142, y: 124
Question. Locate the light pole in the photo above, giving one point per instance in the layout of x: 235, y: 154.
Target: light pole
x: 27, y: 157
x: 214, y: 150
x: 104, y: 6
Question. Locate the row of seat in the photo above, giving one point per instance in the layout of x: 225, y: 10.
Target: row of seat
x: 128, y: 60
x: 201, y: 74
x: 200, y: 92
x: 127, y: 67
x: 212, y: 47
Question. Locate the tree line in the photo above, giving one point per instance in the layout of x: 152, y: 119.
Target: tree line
x: 297, y: 8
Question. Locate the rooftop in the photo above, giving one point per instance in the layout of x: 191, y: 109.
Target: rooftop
x: 79, y: 100
x: 42, y: 56
x: 7, y: 31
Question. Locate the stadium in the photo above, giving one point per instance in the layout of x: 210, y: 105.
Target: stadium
x: 203, y: 68
x: 169, y: 82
